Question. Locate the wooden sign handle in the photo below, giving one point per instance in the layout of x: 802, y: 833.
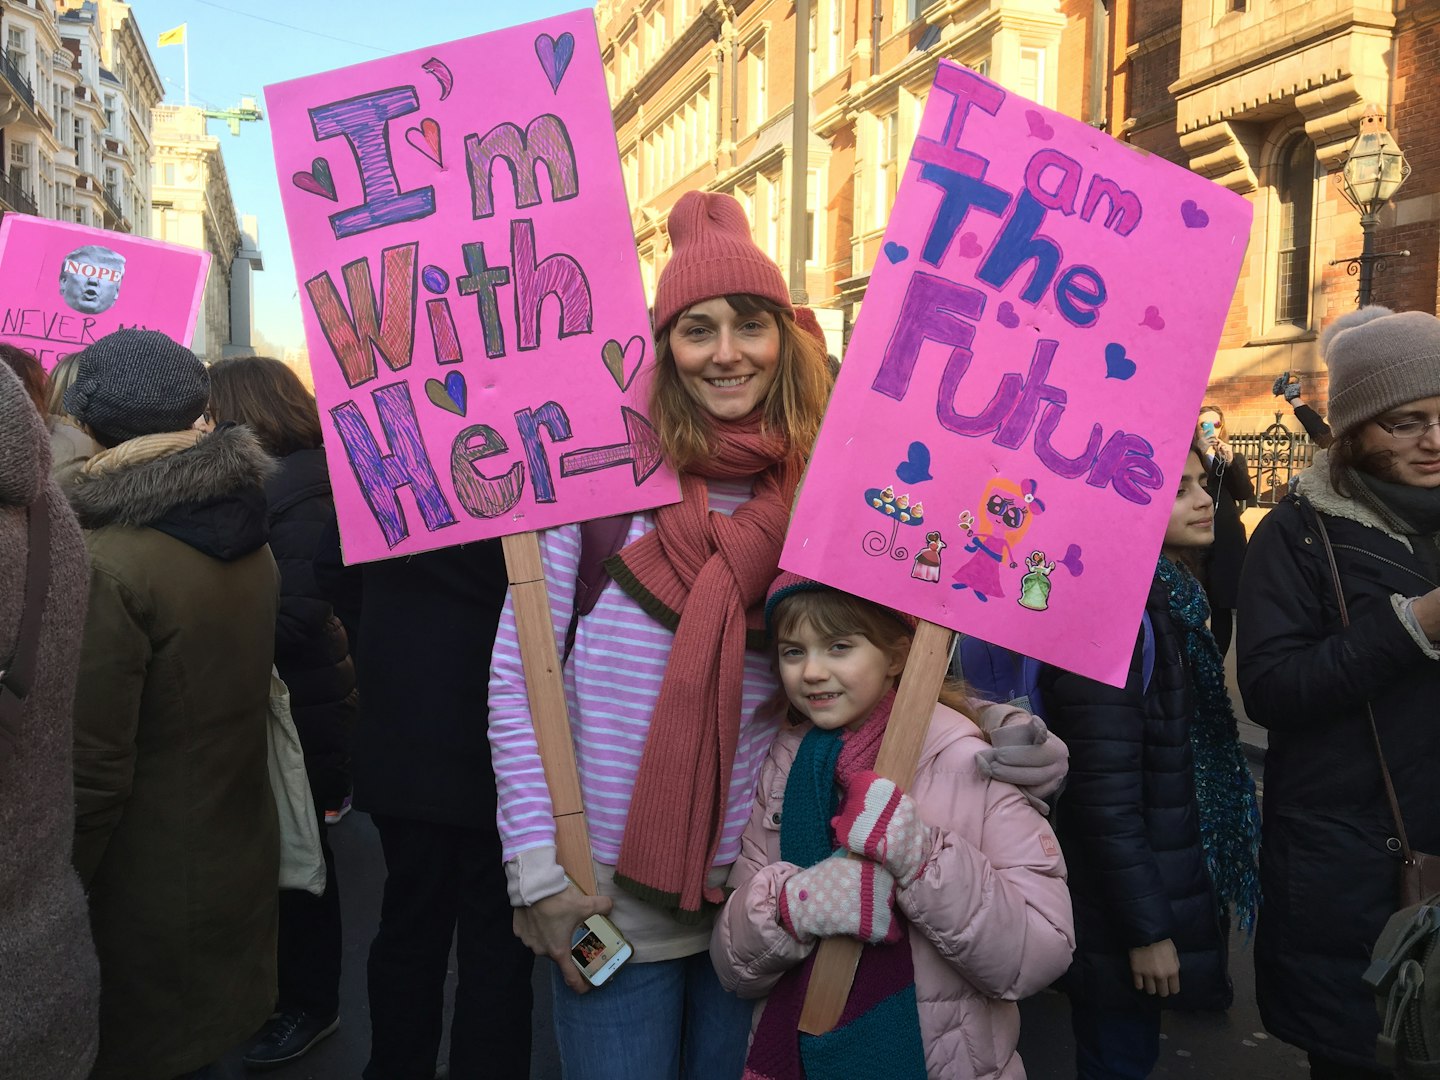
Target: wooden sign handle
x: 835, y: 963
x: 545, y: 687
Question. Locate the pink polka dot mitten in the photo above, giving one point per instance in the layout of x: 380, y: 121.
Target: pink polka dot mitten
x: 840, y: 895
x: 878, y: 820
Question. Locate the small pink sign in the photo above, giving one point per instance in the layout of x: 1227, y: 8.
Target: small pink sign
x: 67, y: 285
x: 1005, y: 441
x: 472, y: 298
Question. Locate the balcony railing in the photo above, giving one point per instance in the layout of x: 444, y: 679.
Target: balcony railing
x: 19, y: 82
x: 16, y: 197
x: 111, y: 205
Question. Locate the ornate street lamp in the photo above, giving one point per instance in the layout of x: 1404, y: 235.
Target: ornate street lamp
x: 1372, y: 173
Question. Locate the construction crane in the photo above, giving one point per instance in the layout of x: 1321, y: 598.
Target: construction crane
x: 247, y: 111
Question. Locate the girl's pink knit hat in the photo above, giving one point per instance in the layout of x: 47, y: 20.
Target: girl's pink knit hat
x: 713, y: 255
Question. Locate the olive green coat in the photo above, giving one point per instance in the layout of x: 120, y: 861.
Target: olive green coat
x: 175, y: 831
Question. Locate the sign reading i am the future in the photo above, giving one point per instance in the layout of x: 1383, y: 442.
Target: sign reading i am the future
x: 1006, y: 437
x: 471, y: 293
x: 67, y: 285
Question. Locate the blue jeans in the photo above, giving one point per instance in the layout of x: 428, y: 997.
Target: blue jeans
x: 1116, y: 1044
x: 653, y: 1022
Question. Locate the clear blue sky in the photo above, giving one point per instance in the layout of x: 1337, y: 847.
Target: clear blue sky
x: 238, y: 47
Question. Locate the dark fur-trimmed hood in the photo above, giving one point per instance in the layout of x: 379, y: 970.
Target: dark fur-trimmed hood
x: 210, y: 496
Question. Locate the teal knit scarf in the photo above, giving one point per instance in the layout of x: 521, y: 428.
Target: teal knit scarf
x: 879, y: 1031
x: 1224, y: 787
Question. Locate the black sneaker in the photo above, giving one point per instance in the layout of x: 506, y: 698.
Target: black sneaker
x: 287, y: 1036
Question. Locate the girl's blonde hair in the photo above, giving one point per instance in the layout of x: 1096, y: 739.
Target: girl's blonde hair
x: 793, y: 406
x: 832, y: 613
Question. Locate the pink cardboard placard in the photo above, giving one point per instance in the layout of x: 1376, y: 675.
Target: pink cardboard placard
x: 1004, y: 445
x: 471, y: 293
x: 66, y: 285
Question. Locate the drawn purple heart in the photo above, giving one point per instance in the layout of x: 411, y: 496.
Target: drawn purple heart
x: 426, y: 139
x: 1152, y: 318
x: 896, y: 252
x: 1192, y: 215
x: 1072, y: 561
x: 969, y: 247
x: 1117, y: 364
x: 317, y: 181
x: 1039, y: 129
x: 1006, y: 315
x: 555, y: 54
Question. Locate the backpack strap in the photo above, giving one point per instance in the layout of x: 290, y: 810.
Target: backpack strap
x: 17, y: 678
x: 600, y: 538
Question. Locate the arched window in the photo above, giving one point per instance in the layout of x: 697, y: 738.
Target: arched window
x: 1295, y: 202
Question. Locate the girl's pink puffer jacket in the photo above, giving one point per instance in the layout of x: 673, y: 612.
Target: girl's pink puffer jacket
x: 990, y: 919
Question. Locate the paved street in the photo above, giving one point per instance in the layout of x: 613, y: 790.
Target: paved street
x: 1222, y: 1047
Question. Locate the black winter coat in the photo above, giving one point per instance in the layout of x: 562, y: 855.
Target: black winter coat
x: 1130, y: 828
x: 427, y: 628
x: 1327, y: 871
x: 1229, y: 485
x: 311, y: 649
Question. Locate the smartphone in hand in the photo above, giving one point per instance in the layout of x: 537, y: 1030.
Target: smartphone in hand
x: 599, y: 949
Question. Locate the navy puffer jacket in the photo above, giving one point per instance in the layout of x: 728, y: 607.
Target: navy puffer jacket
x: 1130, y: 828
x: 312, y: 652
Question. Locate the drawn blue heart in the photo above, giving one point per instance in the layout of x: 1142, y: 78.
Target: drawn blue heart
x: 1117, y: 364
x: 896, y: 252
x: 915, y: 468
x: 455, y: 390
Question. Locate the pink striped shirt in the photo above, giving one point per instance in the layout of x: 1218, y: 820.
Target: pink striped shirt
x: 612, y: 681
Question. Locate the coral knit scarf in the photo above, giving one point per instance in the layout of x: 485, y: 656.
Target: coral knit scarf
x: 704, y: 575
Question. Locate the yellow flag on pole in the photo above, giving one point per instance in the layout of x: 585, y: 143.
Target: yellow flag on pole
x: 174, y: 37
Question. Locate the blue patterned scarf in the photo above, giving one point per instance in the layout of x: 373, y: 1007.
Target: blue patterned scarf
x: 1224, y: 787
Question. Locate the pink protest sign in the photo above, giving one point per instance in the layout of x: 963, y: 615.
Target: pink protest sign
x: 67, y: 285
x: 1005, y: 441
x: 471, y: 293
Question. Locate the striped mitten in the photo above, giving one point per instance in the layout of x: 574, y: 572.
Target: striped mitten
x: 878, y: 820
x: 840, y: 895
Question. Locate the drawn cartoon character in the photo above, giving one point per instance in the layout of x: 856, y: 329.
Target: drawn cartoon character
x: 1035, y: 586
x: 927, y: 561
x: 1007, y: 510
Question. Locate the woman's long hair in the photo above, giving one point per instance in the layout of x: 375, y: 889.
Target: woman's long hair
x: 268, y: 397
x: 793, y: 406
x: 30, y: 373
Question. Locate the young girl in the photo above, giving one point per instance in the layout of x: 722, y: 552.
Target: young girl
x: 1158, y: 820
x: 959, y: 892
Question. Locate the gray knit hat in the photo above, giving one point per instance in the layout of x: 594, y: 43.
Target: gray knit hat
x: 137, y: 382
x: 1379, y: 359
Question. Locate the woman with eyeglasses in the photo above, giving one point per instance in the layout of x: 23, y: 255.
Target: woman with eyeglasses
x: 1330, y: 857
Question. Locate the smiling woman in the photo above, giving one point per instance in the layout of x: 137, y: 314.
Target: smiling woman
x: 1331, y: 693
x: 660, y: 665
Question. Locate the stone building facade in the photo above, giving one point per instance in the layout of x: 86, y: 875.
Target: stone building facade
x: 703, y: 93
x: 192, y: 205
x: 1265, y: 97
x: 1262, y: 96
x: 76, y: 88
